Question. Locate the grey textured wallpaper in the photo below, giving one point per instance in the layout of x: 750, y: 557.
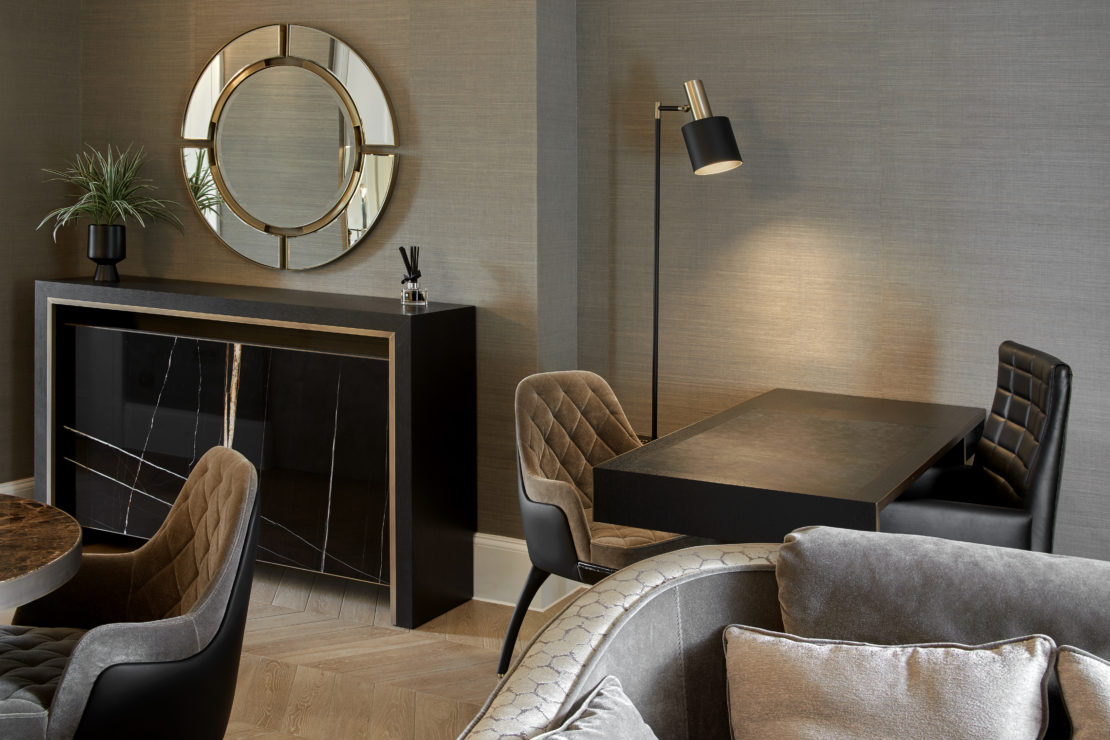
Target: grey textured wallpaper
x: 921, y: 181
x: 40, y: 127
x: 556, y: 193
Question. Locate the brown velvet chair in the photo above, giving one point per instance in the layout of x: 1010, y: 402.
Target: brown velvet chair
x: 1007, y: 496
x: 142, y: 644
x: 566, y: 423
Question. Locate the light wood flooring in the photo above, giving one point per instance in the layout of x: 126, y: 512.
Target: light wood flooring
x: 320, y: 660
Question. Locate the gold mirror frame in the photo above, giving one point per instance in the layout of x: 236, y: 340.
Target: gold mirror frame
x: 264, y: 48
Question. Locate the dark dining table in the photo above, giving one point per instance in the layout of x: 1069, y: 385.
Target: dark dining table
x: 40, y: 549
x: 783, y: 460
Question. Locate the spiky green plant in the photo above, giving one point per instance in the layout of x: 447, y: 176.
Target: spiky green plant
x: 202, y: 187
x: 109, y: 191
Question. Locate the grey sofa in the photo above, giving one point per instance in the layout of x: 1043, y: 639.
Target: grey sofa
x: 657, y: 624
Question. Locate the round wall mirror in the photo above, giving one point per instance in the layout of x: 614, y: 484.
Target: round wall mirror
x: 287, y: 151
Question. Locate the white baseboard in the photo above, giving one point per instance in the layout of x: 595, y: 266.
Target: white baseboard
x: 501, y: 566
x: 24, y: 488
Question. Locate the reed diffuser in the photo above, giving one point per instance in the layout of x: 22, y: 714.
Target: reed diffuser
x: 411, y: 292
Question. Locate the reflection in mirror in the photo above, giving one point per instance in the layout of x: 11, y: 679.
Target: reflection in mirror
x: 316, y: 247
x: 282, y: 154
x: 258, y: 246
x: 370, y: 195
x: 202, y: 188
x: 261, y: 43
x: 292, y: 111
x: 356, y: 76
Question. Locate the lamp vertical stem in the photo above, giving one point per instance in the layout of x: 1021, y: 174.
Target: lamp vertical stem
x: 655, y: 297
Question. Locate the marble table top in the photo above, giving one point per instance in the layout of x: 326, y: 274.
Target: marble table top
x: 40, y: 549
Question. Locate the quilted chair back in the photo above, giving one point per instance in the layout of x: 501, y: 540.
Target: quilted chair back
x: 566, y: 423
x: 1022, y: 447
x: 180, y: 562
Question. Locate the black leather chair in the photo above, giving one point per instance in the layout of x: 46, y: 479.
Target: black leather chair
x: 143, y: 644
x: 1007, y: 495
x: 566, y: 423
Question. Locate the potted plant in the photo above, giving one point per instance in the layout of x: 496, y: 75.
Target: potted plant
x: 110, y: 192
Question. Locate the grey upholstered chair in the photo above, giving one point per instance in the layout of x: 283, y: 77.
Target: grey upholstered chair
x: 566, y: 423
x: 1007, y: 496
x: 142, y: 644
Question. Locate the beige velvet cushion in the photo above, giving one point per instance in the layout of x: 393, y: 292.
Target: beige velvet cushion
x: 178, y: 564
x: 566, y: 423
x: 1085, y: 684
x: 783, y: 686
x: 606, y: 714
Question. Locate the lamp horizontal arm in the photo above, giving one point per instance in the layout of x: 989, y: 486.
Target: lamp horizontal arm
x: 679, y: 108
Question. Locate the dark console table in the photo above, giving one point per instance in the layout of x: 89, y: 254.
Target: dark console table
x: 359, y: 414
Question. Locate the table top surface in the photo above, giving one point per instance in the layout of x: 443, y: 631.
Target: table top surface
x: 40, y: 549
x: 803, y: 442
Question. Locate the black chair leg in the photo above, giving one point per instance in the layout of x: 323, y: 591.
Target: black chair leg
x: 536, y: 577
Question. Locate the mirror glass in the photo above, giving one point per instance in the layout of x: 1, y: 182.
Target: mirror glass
x: 293, y: 111
x: 287, y: 147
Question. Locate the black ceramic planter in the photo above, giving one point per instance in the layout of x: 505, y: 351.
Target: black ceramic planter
x: 107, y: 246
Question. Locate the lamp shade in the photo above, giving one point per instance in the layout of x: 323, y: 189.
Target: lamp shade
x: 712, y: 145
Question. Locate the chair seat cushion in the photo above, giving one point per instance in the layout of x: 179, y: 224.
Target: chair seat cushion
x: 969, y: 484
x: 32, y: 660
x: 955, y: 520
x: 615, y: 546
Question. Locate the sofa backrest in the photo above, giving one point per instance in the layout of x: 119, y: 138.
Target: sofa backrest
x: 899, y: 589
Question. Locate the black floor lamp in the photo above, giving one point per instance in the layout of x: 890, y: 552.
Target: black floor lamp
x: 712, y: 148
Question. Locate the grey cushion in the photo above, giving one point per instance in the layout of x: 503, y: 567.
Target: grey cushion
x: 31, y: 664
x: 900, y: 589
x: 783, y: 686
x: 605, y: 714
x: 1085, y: 684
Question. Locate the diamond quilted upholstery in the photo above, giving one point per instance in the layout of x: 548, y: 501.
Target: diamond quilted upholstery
x: 615, y: 546
x: 543, y: 687
x: 567, y: 422
x: 179, y: 563
x: 32, y: 660
x: 1016, y: 425
x: 160, y: 604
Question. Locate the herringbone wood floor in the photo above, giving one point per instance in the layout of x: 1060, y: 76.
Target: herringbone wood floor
x: 320, y: 660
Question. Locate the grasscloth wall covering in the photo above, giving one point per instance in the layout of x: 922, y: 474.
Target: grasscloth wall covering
x: 557, y: 194
x: 40, y: 47
x: 463, y: 81
x: 921, y: 181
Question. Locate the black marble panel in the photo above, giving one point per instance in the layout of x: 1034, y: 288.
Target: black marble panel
x: 145, y: 406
